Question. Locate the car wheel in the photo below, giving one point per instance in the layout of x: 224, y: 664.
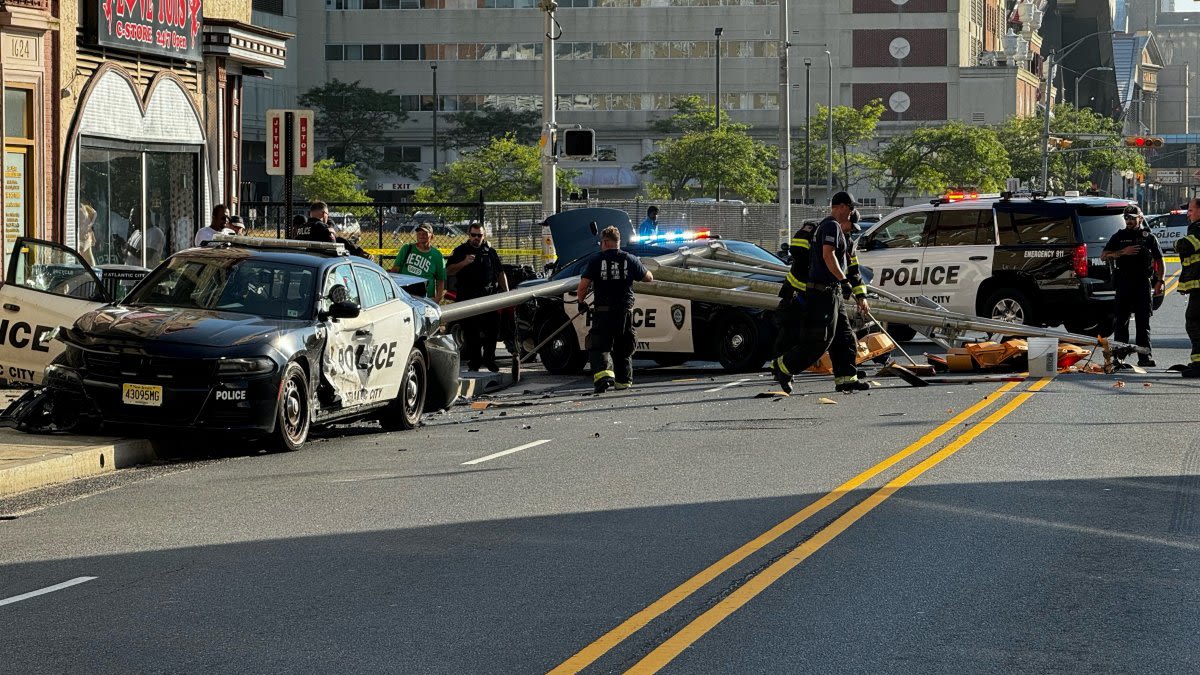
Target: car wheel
x: 1009, y: 305
x: 293, y: 419
x: 1102, y: 326
x: 561, y: 355
x: 901, y: 332
x: 741, y: 346
x: 404, y: 412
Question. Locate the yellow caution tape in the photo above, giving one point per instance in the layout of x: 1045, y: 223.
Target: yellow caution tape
x: 447, y: 251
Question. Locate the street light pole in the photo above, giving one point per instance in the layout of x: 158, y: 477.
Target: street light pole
x: 717, y: 102
x: 433, y: 67
x: 785, y: 128
x: 829, y: 124
x: 1051, y: 61
x: 807, y: 125
x: 549, y: 125
x: 1085, y: 74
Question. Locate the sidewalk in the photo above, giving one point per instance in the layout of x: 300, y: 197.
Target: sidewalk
x: 29, y: 461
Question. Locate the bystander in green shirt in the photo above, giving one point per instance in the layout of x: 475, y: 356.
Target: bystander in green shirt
x: 428, y: 264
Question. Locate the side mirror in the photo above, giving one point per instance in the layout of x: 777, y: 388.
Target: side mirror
x: 344, y: 310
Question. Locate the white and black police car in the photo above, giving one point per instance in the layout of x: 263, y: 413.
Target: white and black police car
x: 252, y: 336
x: 1030, y: 260
x: 670, y: 331
x: 1168, y: 228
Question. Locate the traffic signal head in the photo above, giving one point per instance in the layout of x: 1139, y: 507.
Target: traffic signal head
x: 1143, y: 142
x: 579, y: 143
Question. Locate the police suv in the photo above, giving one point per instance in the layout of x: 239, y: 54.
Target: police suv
x: 1033, y: 260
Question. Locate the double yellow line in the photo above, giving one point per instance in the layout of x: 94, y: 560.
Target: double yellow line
x: 701, y: 625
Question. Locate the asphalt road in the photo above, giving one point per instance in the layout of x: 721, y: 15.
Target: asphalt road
x: 686, y: 525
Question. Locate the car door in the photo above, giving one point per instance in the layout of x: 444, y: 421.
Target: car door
x: 390, y: 335
x: 347, y: 338
x: 893, y: 252
x: 958, y: 257
x: 47, y: 286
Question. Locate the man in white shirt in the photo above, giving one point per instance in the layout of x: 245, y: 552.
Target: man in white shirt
x: 217, y: 226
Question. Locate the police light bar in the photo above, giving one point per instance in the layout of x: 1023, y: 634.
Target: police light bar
x: 674, y: 236
x: 330, y: 247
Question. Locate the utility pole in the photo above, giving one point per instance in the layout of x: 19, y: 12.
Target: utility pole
x: 785, y: 128
x: 717, y: 102
x: 433, y: 67
x: 807, y: 126
x: 829, y: 124
x: 549, y: 126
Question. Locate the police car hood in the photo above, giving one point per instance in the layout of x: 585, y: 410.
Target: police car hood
x: 572, y: 230
x: 179, y: 326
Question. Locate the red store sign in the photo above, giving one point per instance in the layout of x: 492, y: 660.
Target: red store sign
x: 165, y: 27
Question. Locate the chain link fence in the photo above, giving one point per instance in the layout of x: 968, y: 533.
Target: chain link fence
x: 515, y: 228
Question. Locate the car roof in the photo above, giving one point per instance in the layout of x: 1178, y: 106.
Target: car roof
x: 989, y: 201
x: 305, y: 253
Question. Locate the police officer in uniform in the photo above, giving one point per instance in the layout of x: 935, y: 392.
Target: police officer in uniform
x: 1188, y: 249
x: 476, y: 267
x: 611, y: 340
x: 1138, y: 273
x: 317, y: 228
x: 832, y: 273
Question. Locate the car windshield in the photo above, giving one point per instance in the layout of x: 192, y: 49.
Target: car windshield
x: 242, y: 285
x: 1097, y: 226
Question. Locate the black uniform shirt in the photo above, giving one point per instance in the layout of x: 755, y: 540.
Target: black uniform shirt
x: 612, y: 274
x: 1131, y: 268
x: 829, y: 232
x: 315, y: 230
x: 479, y: 278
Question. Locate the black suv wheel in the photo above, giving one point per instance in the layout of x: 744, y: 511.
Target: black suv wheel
x: 1009, y: 304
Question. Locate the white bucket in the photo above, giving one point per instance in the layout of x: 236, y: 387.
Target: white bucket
x: 1043, y: 356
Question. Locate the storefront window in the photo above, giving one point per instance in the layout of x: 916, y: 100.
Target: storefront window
x: 120, y: 188
x: 18, y: 176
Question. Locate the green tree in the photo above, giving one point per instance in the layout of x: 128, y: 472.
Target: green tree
x: 474, y: 129
x: 504, y: 169
x: 1085, y: 160
x: 932, y: 159
x: 703, y: 157
x: 331, y: 183
x: 354, y: 121
x: 852, y: 127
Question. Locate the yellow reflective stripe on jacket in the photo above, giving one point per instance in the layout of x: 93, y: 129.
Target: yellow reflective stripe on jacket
x: 796, y: 283
x: 1192, y: 241
x: 1190, y: 260
x: 1186, y: 286
x: 802, y: 243
x: 1195, y: 358
x: 859, y: 291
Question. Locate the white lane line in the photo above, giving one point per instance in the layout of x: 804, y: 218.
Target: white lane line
x: 507, y: 452
x: 49, y: 589
x: 726, y: 386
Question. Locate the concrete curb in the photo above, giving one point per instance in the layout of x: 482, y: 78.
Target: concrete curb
x: 29, y: 461
x: 476, y: 384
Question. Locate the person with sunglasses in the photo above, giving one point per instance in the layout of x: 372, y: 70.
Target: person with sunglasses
x: 1137, y: 262
x: 476, y: 267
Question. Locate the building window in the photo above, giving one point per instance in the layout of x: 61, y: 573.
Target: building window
x: 121, y: 186
x: 402, y: 153
x: 18, y: 165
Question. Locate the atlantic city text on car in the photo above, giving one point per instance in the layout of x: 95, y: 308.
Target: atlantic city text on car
x: 244, y: 335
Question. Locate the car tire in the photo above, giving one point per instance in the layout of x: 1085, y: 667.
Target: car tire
x: 1011, y: 305
x: 293, y: 418
x: 561, y: 355
x: 1102, y: 326
x: 901, y: 332
x: 741, y: 345
x: 404, y: 412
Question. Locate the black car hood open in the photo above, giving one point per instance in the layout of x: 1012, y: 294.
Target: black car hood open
x: 179, y: 326
x: 572, y: 232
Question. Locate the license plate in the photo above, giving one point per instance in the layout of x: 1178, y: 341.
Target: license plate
x: 142, y: 394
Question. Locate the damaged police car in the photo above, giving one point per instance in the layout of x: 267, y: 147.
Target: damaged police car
x: 253, y: 336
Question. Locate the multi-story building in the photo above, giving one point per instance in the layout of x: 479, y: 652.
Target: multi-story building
x: 123, y: 116
x: 623, y: 63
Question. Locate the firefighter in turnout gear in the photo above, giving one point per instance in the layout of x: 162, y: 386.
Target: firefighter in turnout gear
x: 790, y: 315
x: 1188, y: 249
x: 611, y: 340
x: 833, y: 272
